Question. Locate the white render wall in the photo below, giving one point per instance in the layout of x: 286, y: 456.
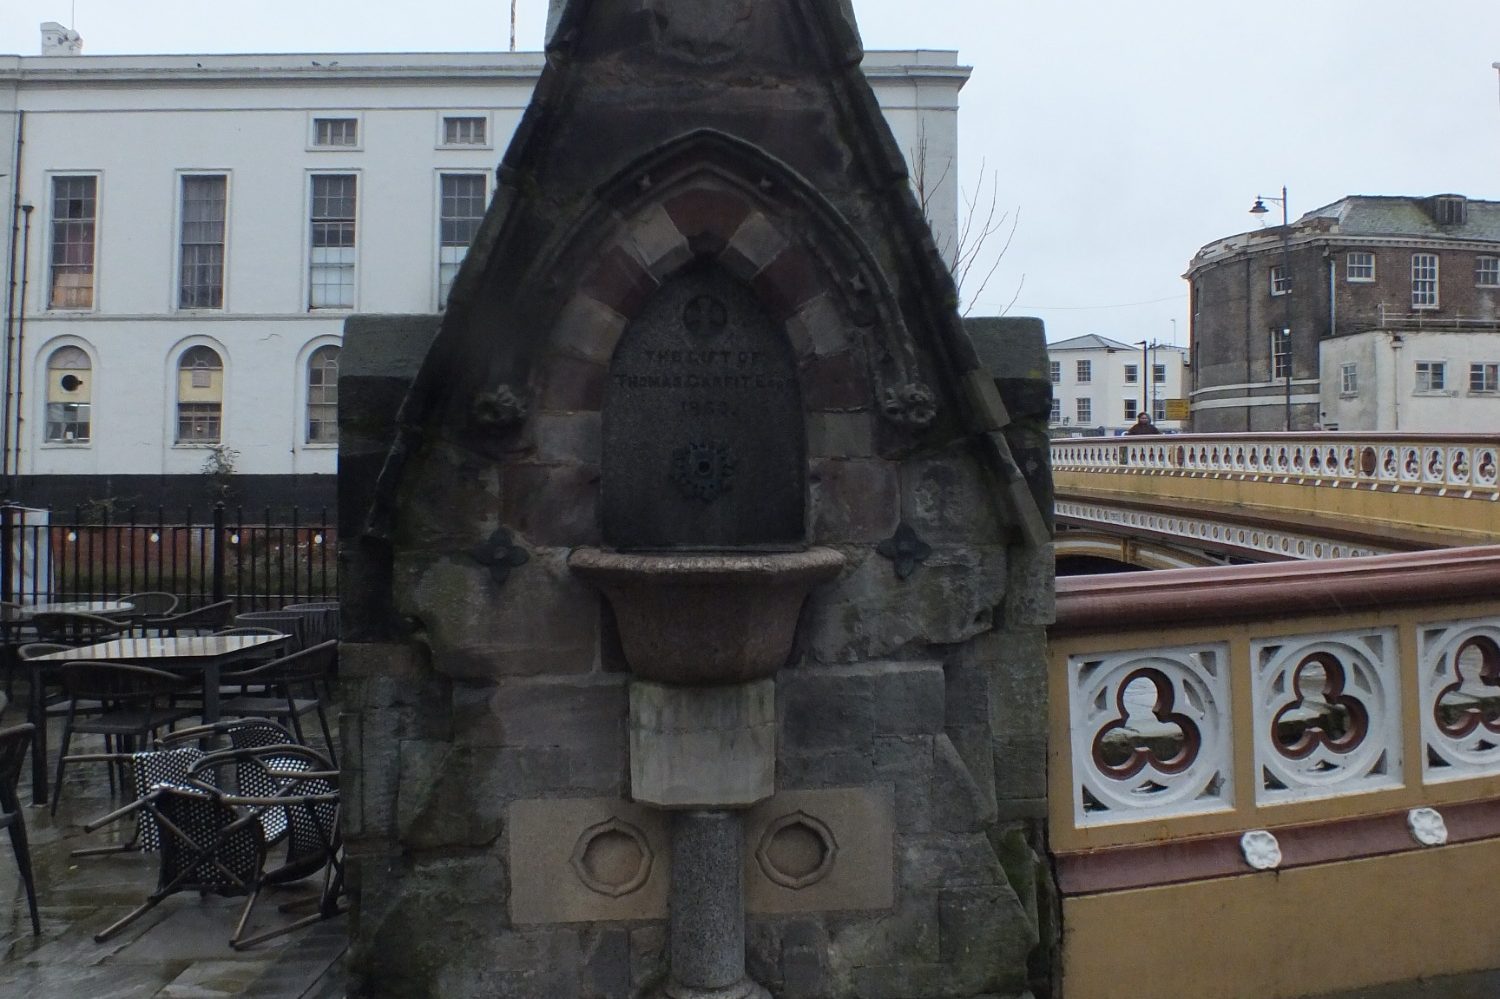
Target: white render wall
x: 1387, y: 399
x: 1107, y: 389
x: 141, y: 122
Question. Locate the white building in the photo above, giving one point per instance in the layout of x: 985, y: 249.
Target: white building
x: 1101, y: 386
x: 1412, y: 379
x: 187, y: 234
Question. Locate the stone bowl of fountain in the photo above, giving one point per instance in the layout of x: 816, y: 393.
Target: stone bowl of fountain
x: 706, y: 618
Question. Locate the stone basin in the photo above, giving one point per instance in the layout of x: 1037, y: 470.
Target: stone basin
x: 711, y: 618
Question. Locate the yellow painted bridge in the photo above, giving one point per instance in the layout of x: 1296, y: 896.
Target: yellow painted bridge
x: 1196, y: 500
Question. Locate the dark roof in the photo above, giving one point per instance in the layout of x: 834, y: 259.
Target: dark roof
x: 1089, y: 341
x: 1386, y: 215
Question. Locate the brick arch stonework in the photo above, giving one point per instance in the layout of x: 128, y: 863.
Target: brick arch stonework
x: 702, y: 218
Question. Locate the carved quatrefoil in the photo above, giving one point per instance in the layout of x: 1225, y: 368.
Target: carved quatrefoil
x: 1322, y: 714
x: 1473, y: 698
x: 1122, y: 749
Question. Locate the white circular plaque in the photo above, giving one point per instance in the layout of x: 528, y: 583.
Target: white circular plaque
x: 1427, y: 826
x: 1261, y: 850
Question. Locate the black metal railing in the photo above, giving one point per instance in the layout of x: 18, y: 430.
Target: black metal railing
x: 261, y: 565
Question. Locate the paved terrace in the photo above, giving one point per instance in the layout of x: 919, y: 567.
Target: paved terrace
x: 178, y: 951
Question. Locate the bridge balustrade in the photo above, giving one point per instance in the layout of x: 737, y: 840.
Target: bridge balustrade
x: 1258, y: 742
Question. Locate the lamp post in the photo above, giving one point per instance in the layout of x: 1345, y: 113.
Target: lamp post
x: 1146, y: 376
x: 1259, y: 208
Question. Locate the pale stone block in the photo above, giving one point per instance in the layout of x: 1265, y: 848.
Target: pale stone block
x: 819, y: 851
x: 586, y: 860
x: 702, y: 747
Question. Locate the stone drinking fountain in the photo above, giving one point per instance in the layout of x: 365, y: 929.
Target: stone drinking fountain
x: 699, y: 488
x: 694, y: 562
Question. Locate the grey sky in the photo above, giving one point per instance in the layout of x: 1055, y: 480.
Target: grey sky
x: 1128, y: 134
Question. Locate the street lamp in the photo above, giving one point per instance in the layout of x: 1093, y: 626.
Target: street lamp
x: 1259, y: 208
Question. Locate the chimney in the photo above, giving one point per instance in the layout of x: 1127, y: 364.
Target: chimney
x: 60, y: 41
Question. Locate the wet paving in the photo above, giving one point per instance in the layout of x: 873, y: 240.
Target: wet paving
x: 179, y: 950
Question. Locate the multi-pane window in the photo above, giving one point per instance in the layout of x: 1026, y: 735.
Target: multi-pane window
x: 460, y: 213
x: 201, y: 265
x: 1484, y: 378
x: 1085, y: 371
x: 200, y: 396
x: 1487, y: 272
x: 1432, y: 376
x: 1132, y: 374
x: 1159, y: 374
x: 75, y: 208
x: 1360, y: 266
x: 1281, y: 281
x: 1085, y: 410
x: 69, y: 387
x: 331, y: 260
x: 1349, y: 378
x: 1132, y: 408
x: 1158, y: 409
x: 323, y: 396
x: 336, y: 132
x: 463, y: 130
x: 1281, y: 353
x: 1424, y: 281
x: 1056, y: 415
x: 1054, y: 368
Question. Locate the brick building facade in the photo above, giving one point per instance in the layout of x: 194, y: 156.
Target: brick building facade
x: 1401, y: 272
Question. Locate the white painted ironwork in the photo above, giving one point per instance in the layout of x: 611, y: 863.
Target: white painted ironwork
x: 1459, y: 665
x: 1178, y: 527
x: 1150, y: 734
x: 1327, y: 714
x: 1462, y: 466
x: 1427, y: 826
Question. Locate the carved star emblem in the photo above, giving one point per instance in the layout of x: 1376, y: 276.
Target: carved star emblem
x: 905, y: 550
x: 501, y: 554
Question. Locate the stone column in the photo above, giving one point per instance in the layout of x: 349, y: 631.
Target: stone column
x: 708, y: 908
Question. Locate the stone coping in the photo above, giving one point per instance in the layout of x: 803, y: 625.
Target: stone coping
x: 1209, y: 595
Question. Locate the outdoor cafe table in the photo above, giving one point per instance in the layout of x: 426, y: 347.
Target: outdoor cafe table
x: 205, y: 653
x: 105, y: 608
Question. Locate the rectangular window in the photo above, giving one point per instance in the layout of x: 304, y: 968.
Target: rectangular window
x: 1085, y: 410
x: 75, y: 208
x: 1132, y: 374
x: 1487, y: 272
x: 339, y: 133
x: 1056, y: 414
x: 1424, y: 281
x: 464, y: 130
x: 1055, y: 368
x: 1158, y: 409
x: 198, y: 422
x: 459, y: 215
x: 201, y: 252
x: 1281, y: 353
x: 67, y: 422
x: 331, y: 261
x: 1349, y: 379
x: 1159, y: 374
x: 1484, y: 378
x: 1360, y: 266
x: 1132, y: 408
x: 1085, y: 370
x: 1431, y: 376
x: 1281, y: 282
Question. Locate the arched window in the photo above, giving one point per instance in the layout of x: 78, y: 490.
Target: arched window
x: 200, y: 396
x: 70, y: 385
x: 323, y: 396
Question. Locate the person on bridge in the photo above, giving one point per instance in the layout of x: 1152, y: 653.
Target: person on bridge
x: 1142, y: 425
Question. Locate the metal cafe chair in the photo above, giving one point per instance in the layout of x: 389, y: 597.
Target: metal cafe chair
x: 213, y: 841
x: 322, y: 619
x: 13, y: 743
x: 136, y: 705
x: 295, y: 686
x: 199, y: 621
x: 292, y: 623
x: 149, y: 604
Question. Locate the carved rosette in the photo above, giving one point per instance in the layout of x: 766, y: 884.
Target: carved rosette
x: 1150, y: 734
x: 1327, y: 715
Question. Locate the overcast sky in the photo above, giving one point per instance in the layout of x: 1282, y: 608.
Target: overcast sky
x: 1127, y: 134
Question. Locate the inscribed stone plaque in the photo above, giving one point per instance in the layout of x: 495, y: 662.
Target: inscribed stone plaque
x: 704, y: 438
